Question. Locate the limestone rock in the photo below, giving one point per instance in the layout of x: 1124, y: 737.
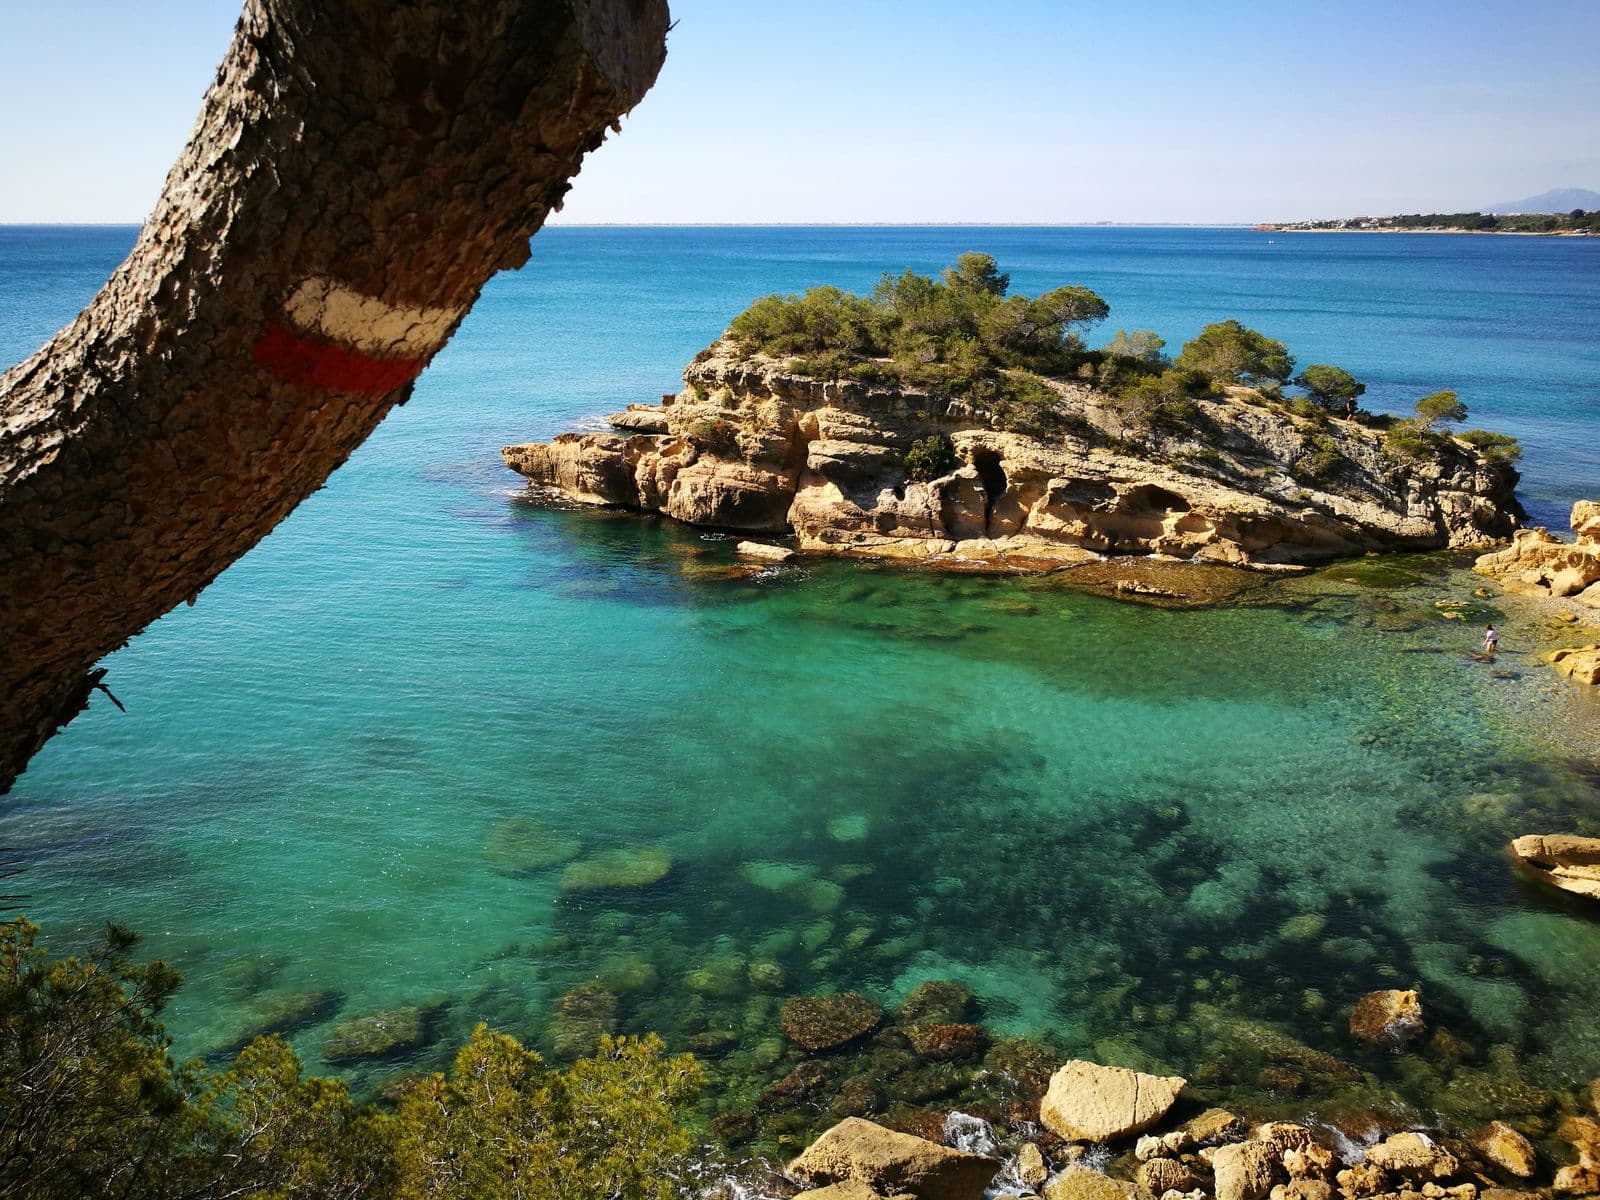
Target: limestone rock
x: 1213, y: 1126
x: 1243, y: 1170
x: 1583, y: 1133
x: 1506, y: 1149
x: 1540, y: 564
x: 1309, y: 1162
x: 1388, y: 1019
x: 1303, y: 1189
x: 938, y: 1002
x: 1284, y: 1136
x: 1562, y: 860
x: 1163, y: 1145
x: 1362, y: 1180
x: 856, y: 1150
x: 1160, y: 1175
x: 1414, y: 1157
x: 947, y: 1043
x: 764, y: 552
x: 1577, y: 1180
x: 1578, y: 662
x: 818, y: 1023
x: 851, y: 1190
x: 752, y: 446
x: 1031, y: 1169
x: 1081, y: 1183
x: 1090, y: 1103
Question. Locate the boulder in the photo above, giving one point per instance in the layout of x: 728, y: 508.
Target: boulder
x: 1414, y: 1157
x: 1086, y: 1102
x: 1309, y: 1162
x: 1303, y: 1189
x: 819, y: 1023
x: 1578, y: 662
x: 1284, y: 1136
x: 851, y: 1190
x: 1160, y: 1175
x: 938, y: 1001
x: 283, y: 1013
x: 947, y: 1043
x: 859, y: 1151
x: 376, y: 1035
x: 1391, y: 1020
x: 1538, y: 563
x: 1080, y: 1183
x: 1583, y: 1134
x: 1506, y: 1149
x: 764, y: 552
x: 1243, y: 1170
x: 1213, y: 1126
x: 520, y: 845
x: 1561, y: 860
x: 1031, y: 1169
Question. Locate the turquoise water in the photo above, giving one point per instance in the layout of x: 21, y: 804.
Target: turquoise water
x: 1131, y: 831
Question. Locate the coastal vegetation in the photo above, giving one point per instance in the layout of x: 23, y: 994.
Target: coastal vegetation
x: 1577, y: 221
x: 95, y: 1107
x: 963, y: 335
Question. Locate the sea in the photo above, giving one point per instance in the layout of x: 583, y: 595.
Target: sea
x: 435, y: 745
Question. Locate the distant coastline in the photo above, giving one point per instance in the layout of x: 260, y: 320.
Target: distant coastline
x: 1576, y: 223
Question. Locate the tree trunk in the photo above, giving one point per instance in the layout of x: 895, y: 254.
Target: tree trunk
x: 359, y: 170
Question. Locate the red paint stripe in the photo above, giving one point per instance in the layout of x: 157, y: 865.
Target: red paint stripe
x: 310, y: 362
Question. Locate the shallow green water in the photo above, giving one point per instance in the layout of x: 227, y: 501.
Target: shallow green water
x: 1109, y: 820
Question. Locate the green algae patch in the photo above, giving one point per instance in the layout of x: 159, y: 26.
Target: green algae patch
x: 818, y: 1023
x: 520, y: 845
x: 629, y: 867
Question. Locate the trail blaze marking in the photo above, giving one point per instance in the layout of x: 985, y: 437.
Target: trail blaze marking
x: 336, y: 338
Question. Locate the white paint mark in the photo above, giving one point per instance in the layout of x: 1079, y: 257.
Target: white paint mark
x: 341, y: 314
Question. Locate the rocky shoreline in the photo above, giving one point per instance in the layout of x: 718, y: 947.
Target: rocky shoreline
x: 1083, y: 1131
x: 853, y: 468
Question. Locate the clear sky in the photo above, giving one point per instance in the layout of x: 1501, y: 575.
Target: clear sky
x: 930, y: 111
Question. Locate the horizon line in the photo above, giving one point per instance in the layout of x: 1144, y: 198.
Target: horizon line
x: 8, y: 224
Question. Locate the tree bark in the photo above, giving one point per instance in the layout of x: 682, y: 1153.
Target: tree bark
x: 359, y: 170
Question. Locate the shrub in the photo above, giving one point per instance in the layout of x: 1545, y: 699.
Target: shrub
x: 1438, y: 408
x: 1411, y: 439
x: 712, y: 435
x: 1495, y: 447
x: 930, y: 457
x: 1320, y: 457
x: 1142, y: 346
x: 1330, y: 387
x: 1228, y: 352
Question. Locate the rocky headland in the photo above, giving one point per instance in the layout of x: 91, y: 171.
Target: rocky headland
x: 1564, y: 575
x: 753, y: 445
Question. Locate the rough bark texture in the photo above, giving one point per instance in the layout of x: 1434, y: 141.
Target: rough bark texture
x: 360, y: 168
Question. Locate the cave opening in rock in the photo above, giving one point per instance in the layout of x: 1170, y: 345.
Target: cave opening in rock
x: 991, y: 473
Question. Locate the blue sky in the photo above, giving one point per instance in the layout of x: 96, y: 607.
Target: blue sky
x: 1005, y: 110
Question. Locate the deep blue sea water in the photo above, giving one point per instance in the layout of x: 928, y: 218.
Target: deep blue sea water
x: 1115, y: 823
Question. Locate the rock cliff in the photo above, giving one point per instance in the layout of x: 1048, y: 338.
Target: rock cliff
x: 1537, y: 563
x: 856, y: 468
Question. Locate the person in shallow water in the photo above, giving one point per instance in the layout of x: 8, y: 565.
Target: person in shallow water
x: 1491, y: 640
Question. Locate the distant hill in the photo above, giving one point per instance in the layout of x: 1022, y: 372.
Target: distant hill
x: 1561, y: 200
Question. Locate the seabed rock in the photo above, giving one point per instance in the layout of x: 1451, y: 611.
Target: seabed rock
x: 520, y: 845
x: 284, y: 1013
x: 384, y: 1034
x: 1390, y: 1020
x: 1507, y: 1149
x: 628, y: 867
x: 1081, y: 1183
x: 817, y: 1023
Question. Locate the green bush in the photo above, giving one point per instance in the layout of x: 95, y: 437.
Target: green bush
x: 1228, y: 352
x: 712, y: 435
x: 1439, y: 408
x: 930, y: 457
x: 93, y: 1108
x: 1320, y: 457
x: 1330, y: 387
x: 1495, y: 447
x: 1411, y: 440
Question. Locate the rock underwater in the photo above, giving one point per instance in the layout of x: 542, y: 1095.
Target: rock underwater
x: 751, y: 446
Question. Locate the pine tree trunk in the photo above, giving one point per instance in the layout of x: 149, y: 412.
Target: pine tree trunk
x: 359, y: 170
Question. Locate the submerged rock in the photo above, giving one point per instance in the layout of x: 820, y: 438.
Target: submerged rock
x: 947, y: 1043
x: 859, y: 1151
x: 1507, y: 1149
x: 938, y: 1001
x: 629, y: 867
x: 819, y: 1023
x: 1391, y: 1020
x: 520, y: 845
x: 283, y: 1013
x: 1562, y: 860
x: 1090, y: 1103
x: 384, y: 1034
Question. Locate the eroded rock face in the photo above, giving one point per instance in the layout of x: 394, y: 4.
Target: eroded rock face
x: 1091, y: 1103
x: 749, y: 446
x: 858, y: 1151
x: 1562, y: 860
x: 1578, y: 662
x: 1537, y: 563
